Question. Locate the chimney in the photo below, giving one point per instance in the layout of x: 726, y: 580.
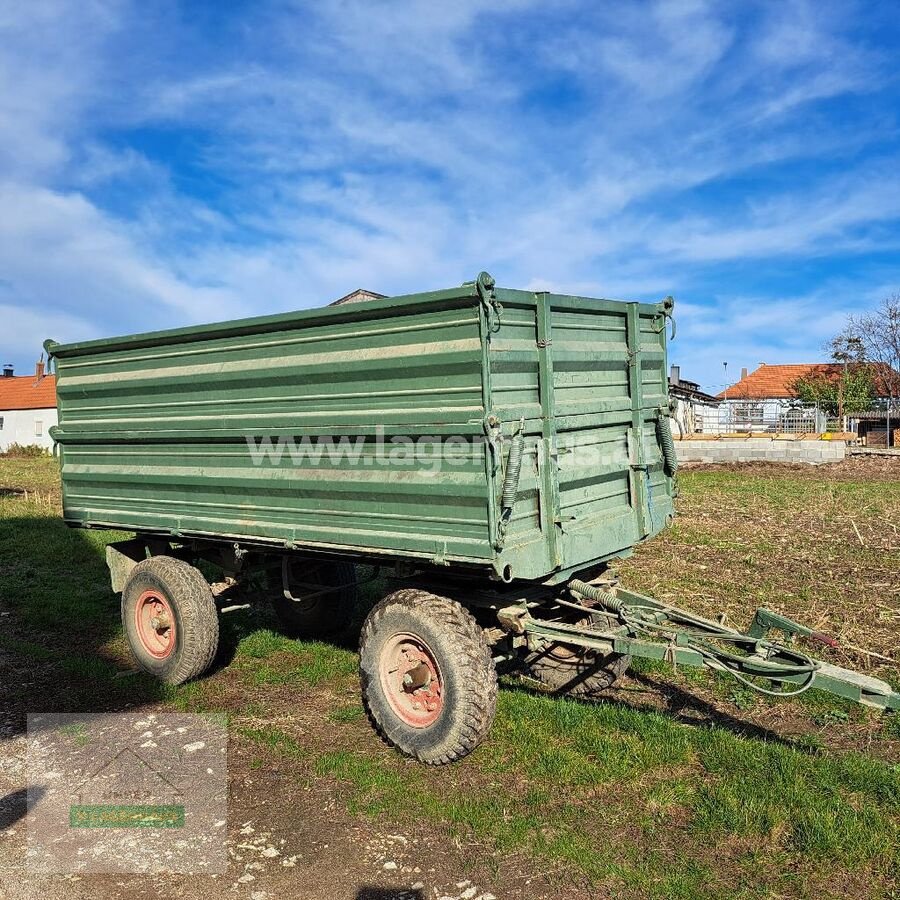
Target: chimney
x: 39, y: 369
x: 743, y: 373
x: 8, y: 370
x: 675, y: 375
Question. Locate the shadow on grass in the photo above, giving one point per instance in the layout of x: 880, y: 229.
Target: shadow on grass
x: 259, y: 615
x: 60, y: 647
x: 680, y: 704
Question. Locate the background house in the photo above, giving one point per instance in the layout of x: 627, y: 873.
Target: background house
x: 765, y: 401
x: 696, y: 412
x: 27, y: 408
x: 877, y: 427
x: 360, y: 295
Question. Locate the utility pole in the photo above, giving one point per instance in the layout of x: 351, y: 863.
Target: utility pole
x: 727, y: 407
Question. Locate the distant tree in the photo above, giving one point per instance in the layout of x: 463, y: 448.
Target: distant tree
x: 847, y: 348
x: 874, y: 338
x: 851, y: 391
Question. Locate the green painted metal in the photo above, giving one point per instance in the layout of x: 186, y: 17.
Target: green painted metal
x: 644, y: 627
x: 153, y: 429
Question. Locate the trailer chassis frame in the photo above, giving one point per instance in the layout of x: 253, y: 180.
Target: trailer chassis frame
x: 649, y: 629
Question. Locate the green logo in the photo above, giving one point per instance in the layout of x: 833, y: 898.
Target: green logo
x: 135, y: 816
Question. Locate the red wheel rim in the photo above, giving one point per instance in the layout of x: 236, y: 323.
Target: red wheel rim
x: 155, y: 624
x: 411, y: 680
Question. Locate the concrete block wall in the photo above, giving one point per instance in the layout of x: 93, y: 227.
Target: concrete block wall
x: 730, y: 450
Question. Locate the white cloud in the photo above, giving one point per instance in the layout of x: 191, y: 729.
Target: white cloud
x: 64, y: 260
x: 51, y: 70
x: 748, y: 330
x: 311, y: 150
x: 686, y: 41
x: 823, y: 220
x: 26, y: 329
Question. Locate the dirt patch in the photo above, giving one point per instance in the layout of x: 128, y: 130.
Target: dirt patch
x: 826, y: 552
x: 851, y: 468
x: 292, y: 833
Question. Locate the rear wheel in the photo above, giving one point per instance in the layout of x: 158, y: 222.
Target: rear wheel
x: 326, y: 595
x: 567, y: 669
x: 429, y: 684
x: 170, y: 619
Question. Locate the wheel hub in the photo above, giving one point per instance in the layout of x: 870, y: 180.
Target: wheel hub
x: 411, y: 680
x: 155, y: 624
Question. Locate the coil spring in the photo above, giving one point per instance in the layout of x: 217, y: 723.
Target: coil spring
x: 513, y: 469
x: 664, y: 431
x: 592, y: 592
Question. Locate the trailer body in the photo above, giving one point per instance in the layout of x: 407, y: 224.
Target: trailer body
x: 392, y: 422
x: 498, y: 448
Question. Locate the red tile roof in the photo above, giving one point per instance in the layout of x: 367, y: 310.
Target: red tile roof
x: 774, y: 382
x: 25, y: 392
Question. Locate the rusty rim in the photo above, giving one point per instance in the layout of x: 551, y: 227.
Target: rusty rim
x: 155, y: 624
x: 565, y: 653
x: 411, y: 680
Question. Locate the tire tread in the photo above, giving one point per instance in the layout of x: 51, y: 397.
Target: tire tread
x: 471, y: 654
x: 199, y: 623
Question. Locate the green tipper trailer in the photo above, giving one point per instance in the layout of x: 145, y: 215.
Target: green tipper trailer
x: 154, y: 430
x: 493, y: 449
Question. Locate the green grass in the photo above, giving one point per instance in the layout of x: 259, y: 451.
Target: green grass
x: 267, y: 658
x: 589, y: 784
x: 36, y: 475
x: 635, y: 800
x: 274, y: 739
x: 352, y: 712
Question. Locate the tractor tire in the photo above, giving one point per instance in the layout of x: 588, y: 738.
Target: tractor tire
x: 575, y: 671
x: 170, y: 619
x: 322, y: 615
x: 429, y: 685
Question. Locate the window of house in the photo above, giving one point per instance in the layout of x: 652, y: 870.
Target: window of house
x: 748, y: 411
x: 38, y: 427
x: 1, y: 423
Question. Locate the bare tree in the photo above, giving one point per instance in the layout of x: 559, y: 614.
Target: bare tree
x: 874, y: 338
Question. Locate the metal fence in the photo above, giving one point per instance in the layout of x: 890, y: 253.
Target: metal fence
x: 750, y: 417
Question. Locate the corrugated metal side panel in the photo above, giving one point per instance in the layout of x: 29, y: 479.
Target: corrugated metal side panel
x: 584, y: 467
x: 612, y: 493
x: 154, y: 435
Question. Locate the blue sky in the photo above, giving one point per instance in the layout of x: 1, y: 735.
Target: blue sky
x: 165, y: 163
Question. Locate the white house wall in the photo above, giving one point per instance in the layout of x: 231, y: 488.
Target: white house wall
x: 27, y: 426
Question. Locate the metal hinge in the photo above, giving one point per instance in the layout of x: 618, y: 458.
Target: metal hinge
x: 484, y: 284
x: 665, y: 314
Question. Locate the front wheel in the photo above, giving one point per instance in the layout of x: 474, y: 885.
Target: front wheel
x: 170, y: 619
x: 568, y: 669
x: 429, y: 684
x: 326, y: 596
